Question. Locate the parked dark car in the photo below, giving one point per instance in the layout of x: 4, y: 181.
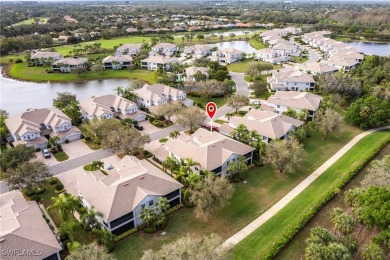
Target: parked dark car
x: 46, y: 153
x: 139, y: 127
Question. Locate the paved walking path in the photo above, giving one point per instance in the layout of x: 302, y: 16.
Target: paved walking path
x: 251, y: 227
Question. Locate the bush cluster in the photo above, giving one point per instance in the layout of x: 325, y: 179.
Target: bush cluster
x: 292, y: 231
x: 125, y: 234
x: 59, y: 186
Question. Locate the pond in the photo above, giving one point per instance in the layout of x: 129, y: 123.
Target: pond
x: 227, y: 33
x: 370, y: 48
x: 18, y: 96
x: 239, y: 45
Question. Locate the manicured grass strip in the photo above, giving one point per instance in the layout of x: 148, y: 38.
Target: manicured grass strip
x: 61, y: 156
x: 241, y: 66
x: 22, y: 71
x: 267, y: 240
x: 257, y: 44
x: 218, y: 101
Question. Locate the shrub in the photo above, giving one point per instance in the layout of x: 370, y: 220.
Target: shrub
x: 173, y: 209
x: 66, y: 141
x: 147, y: 154
x: 59, y: 186
x: 28, y: 192
x: 163, y: 140
x: 125, y: 234
x: 39, y: 190
x: 38, y: 149
x: 186, y: 199
x: 37, y: 198
x: 59, y: 148
x: 87, y: 138
x: 52, y: 181
x: 53, y: 150
x: 156, y: 160
x: 135, y: 153
x: 150, y: 230
x: 82, y: 136
x: 19, y: 61
x: 48, y: 146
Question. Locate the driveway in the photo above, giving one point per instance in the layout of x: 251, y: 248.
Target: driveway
x: 48, y: 161
x: 148, y: 127
x: 76, y: 148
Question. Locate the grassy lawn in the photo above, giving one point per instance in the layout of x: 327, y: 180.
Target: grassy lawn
x: 261, y: 77
x: 257, y: 44
x: 61, y: 156
x: 256, y: 244
x: 242, y: 65
x: 219, y: 121
x: 300, y: 59
x: 296, y: 248
x: 41, y: 20
x: 264, y: 188
x: 22, y: 71
x: 218, y: 101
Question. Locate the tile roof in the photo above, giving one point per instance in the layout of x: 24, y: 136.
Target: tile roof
x: 71, y: 61
x: 23, y: 228
x: 120, y: 58
x: 210, y: 149
x: 266, y: 123
x: 157, y: 92
x: 46, y: 54
x: 124, y: 188
x: 296, y: 99
x: 31, y: 120
x: 100, y: 105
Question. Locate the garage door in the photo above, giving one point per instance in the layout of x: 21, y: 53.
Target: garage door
x: 73, y: 136
x: 140, y: 118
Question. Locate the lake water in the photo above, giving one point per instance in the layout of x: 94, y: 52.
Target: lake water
x: 239, y: 45
x: 370, y: 48
x: 238, y: 33
x: 18, y: 96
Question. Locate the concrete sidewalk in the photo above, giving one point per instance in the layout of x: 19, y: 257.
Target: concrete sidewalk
x: 251, y: 227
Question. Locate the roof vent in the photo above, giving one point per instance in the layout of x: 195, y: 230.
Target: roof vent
x: 222, y: 141
x: 213, y: 145
x: 142, y: 177
x: 2, y: 239
x: 125, y: 184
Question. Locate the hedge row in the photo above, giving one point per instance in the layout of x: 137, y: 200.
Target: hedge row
x: 291, y: 232
x: 125, y: 234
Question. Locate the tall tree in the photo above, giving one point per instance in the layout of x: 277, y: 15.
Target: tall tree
x: 27, y: 174
x: 66, y: 205
x: 171, y: 163
x: 190, y: 247
x: 11, y: 158
x: 147, y: 215
x: 328, y: 122
x: 372, y: 251
x: 237, y: 102
x: 167, y: 110
x: 90, y: 251
x: 63, y: 100
x: 285, y: 155
x: 209, y: 194
x: 191, y: 117
x: 368, y: 112
x: 378, y: 173
x: 259, y: 87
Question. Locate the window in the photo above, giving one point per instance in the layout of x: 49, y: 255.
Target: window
x: 278, y: 106
x: 151, y: 203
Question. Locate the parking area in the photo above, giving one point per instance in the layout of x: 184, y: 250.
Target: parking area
x: 76, y: 148
x: 148, y: 127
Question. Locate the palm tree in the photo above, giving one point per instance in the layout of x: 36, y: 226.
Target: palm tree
x: 53, y: 140
x: 66, y: 204
x: 193, y: 179
x: 162, y: 204
x: 67, y: 228
x: 147, y: 215
x: 174, y: 134
x: 170, y: 162
x: 241, y: 134
x: 89, y: 217
x: 118, y: 91
x: 95, y: 165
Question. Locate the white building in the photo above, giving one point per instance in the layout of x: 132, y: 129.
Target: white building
x: 117, y: 62
x: 69, y: 64
x: 271, y: 56
x: 226, y: 55
x: 164, y: 49
x: 42, y: 57
x: 291, y: 80
x: 281, y: 101
x: 32, y: 127
x: 110, y: 106
x: 193, y: 71
x: 153, y: 62
x: 158, y: 94
x: 129, y: 49
x: 119, y: 196
x: 198, y: 50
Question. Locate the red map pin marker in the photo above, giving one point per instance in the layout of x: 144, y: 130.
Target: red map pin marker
x: 211, y: 108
